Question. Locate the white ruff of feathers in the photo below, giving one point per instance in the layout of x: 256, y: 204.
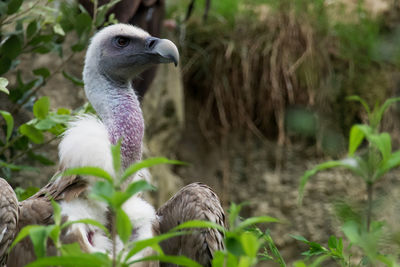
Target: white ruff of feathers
x: 141, y: 214
x: 86, y: 143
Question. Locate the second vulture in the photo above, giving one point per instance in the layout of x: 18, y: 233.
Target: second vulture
x: 115, y: 56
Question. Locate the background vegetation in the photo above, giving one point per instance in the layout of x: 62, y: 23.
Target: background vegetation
x: 266, y: 96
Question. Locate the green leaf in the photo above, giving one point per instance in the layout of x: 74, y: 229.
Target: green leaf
x: 141, y: 244
x: 234, y: 246
x: 176, y: 260
x: 73, y: 79
x: 23, y: 233
x: 32, y: 29
x: 58, y: 29
x: 299, y: 264
x: 199, y: 224
x: 351, y: 230
x: 362, y: 101
x: 392, y: 162
x: 13, y: 6
x: 315, y: 249
x: 3, y: 85
x: 44, y: 72
x: 234, y: 211
x: 5, y: 65
x: 116, y: 156
x: 350, y: 164
x: 124, y: 226
x: 138, y: 186
x: 254, y: 220
x: 12, y: 47
x: 41, y: 107
x: 383, y: 142
x: 384, y: 107
x: 56, y: 212
x: 17, y: 167
x: 63, y: 111
x: 24, y: 193
x: 71, y: 249
x: 82, y: 260
x: 118, y: 198
x: 9, y: 122
x: 87, y: 221
x: 250, y: 244
x: 52, y: 120
x: 32, y: 133
x: 232, y: 260
x: 39, y: 237
x: 300, y: 238
x: 45, y: 124
x: 92, y: 171
x: 356, y: 137
x: 103, y: 191
x: 332, y: 242
x: 83, y: 23
x: 102, y: 11
x: 54, y: 234
x: 218, y: 259
x: 60, y: 118
x: 146, y: 164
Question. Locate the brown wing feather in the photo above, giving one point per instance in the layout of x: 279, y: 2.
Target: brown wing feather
x: 193, y: 202
x: 38, y: 210
x: 8, y: 218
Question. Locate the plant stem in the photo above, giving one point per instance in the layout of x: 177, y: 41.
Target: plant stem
x: 114, y: 238
x: 9, y: 144
x: 9, y: 19
x: 32, y: 149
x: 369, y: 200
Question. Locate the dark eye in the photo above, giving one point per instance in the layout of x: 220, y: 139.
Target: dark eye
x: 121, y: 41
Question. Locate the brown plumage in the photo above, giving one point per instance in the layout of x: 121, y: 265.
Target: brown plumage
x: 8, y: 218
x: 38, y: 210
x: 195, y: 201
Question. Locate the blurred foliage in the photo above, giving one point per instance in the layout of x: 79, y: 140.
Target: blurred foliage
x: 288, y: 54
x: 37, y: 27
x: 370, y: 164
x: 246, y: 245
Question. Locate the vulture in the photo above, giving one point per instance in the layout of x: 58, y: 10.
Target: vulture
x: 116, y: 54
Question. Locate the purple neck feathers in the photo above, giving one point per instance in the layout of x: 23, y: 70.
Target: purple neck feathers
x: 119, y: 109
x: 125, y: 122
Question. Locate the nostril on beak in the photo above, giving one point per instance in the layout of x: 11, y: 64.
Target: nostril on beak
x: 151, y: 42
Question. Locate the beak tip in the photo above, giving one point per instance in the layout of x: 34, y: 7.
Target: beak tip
x: 168, y: 51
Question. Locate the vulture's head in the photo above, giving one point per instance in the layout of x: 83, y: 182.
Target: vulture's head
x: 121, y: 51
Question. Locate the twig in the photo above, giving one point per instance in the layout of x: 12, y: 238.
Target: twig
x: 369, y: 200
x: 34, y: 91
x: 32, y: 149
x: 114, y: 238
x: 11, y: 18
x: 95, y: 4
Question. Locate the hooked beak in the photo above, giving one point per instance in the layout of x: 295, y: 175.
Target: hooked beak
x: 165, y: 50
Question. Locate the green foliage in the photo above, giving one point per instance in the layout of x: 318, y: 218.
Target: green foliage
x: 37, y: 28
x: 370, y: 164
x: 3, y: 85
x: 245, y: 244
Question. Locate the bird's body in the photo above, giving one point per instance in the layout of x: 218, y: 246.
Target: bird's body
x: 116, y: 55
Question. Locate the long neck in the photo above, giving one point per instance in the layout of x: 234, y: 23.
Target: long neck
x: 119, y: 109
